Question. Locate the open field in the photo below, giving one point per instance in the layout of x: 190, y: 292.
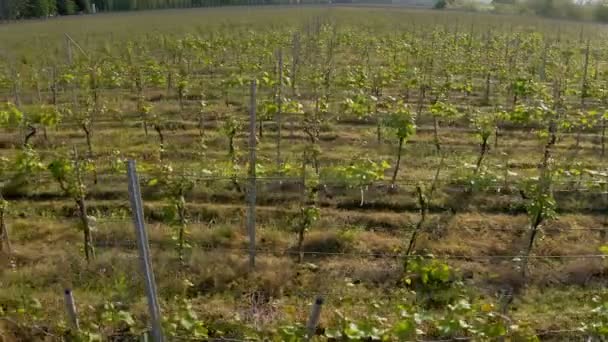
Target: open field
x: 432, y: 175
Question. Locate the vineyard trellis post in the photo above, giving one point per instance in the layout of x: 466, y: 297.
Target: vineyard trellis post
x: 303, y: 199
x: 16, y: 90
x: 313, y: 320
x: 71, y: 41
x: 70, y: 309
x: 4, y: 237
x: 584, y: 85
x: 68, y: 49
x: 279, y: 104
x: 294, y: 62
x: 144, y: 252
x: 252, y: 176
x: 543, y: 65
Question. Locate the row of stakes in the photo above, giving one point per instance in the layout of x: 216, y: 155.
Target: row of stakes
x: 70, y: 307
x: 144, y: 253
x: 143, y: 246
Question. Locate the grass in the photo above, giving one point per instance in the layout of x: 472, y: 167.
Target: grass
x: 214, y: 275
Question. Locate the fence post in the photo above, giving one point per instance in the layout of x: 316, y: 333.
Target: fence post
x: 313, y: 320
x: 252, y: 177
x: 279, y: 104
x: 4, y: 238
x: 144, y: 252
x: 70, y: 309
x: 68, y: 49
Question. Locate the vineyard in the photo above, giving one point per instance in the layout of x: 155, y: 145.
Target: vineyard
x: 417, y: 175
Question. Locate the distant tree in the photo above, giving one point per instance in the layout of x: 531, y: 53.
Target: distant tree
x: 600, y: 12
x: 441, y: 4
x: 39, y: 8
x: 66, y: 7
x: 12, y: 9
x: 83, y: 6
x: 103, y: 5
x: 4, y: 13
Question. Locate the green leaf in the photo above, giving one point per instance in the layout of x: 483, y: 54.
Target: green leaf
x: 126, y: 318
x: 186, y: 324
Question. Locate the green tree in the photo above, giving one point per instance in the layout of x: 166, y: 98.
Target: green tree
x: 83, y: 5
x: 12, y: 9
x: 600, y: 12
x: 66, y: 7
x: 40, y: 8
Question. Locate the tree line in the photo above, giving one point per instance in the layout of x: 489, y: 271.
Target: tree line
x: 21, y: 9
x: 586, y: 10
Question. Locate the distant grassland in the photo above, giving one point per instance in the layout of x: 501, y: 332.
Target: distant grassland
x: 92, y: 30
x: 138, y: 66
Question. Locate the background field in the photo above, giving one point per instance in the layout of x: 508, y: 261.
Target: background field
x: 476, y: 221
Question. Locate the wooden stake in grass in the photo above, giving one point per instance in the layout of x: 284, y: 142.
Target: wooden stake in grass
x: 313, y: 320
x: 201, y: 117
x: 68, y: 48
x: 603, y: 137
x: 252, y: 176
x: 584, y: 92
x: 144, y: 252
x: 279, y: 101
x: 543, y: 65
x: 295, y: 61
x: 54, y: 85
x: 4, y: 238
x: 70, y: 309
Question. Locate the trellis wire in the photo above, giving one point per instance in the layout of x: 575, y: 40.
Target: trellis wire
x: 456, y: 338
x: 342, y: 182
x: 389, y: 255
x: 459, y: 228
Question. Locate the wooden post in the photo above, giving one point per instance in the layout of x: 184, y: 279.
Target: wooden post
x: 70, y: 309
x: 295, y: 61
x: 54, y: 85
x: 584, y: 83
x: 4, y: 238
x: 252, y: 177
x: 71, y: 42
x: 313, y: 320
x: 69, y: 49
x: 279, y: 104
x: 603, y: 138
x: 303, y: 198
x: 543, y: 65
x: 16, y: 95
x: 144, y: 252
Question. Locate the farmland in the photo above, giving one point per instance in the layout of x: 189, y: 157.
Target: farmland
x: 431, y: 175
